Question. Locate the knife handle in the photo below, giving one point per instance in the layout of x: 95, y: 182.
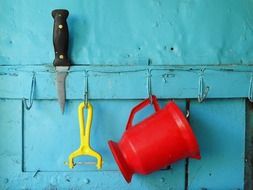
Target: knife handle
x: 61, y: 37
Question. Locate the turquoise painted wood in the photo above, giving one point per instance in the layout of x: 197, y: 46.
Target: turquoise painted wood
x: 222, y: 141
x: 57, y: 138
x: 117, y: 82
x: 11, y: 139
x: 117, y: 42
x: 129, y: 32
x: 47, y: 143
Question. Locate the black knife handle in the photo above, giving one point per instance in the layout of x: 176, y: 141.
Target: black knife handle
x: 61, y: 37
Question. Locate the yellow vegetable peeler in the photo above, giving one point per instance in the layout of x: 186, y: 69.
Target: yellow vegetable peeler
x: 85, y: 148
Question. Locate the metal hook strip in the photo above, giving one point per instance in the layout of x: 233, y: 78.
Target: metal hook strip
x: 86, y: 88
x: 149, y: 87
x: 250, y: 92
x: 202, y: 94
x: 31, y: 97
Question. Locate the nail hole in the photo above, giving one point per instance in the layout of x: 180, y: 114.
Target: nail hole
x: 68, y: 180
x: 149, y: 61
x: 171, y: 48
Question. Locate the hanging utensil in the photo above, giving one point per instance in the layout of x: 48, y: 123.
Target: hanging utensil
x: 61, y: 61
x: 85, y: 148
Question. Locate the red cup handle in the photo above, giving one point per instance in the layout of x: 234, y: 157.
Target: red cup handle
x: 141, y: 106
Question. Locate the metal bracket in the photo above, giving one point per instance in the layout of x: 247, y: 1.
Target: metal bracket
x: 31, y: 97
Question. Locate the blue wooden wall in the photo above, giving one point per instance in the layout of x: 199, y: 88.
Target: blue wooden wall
x: 187, y: 47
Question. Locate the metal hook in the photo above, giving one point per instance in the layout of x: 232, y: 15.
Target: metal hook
x: 33, y: 84
x: 202, y: 91
x: 86, y: 88
x: 149, y: 87
x: 250, y: 93
x: 187, y: 115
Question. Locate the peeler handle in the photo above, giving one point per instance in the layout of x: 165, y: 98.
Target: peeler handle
x: 140, y: 107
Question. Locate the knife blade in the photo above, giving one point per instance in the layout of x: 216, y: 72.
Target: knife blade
x: 61, y: 61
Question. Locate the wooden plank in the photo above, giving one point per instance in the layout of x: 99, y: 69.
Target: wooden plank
x: 220, y: 129
x: 48, y: 142
x: 53, y: 136
x: 10, y: 141
x: 127, y: 82
x: 95, y: 180
x: 170, y: 32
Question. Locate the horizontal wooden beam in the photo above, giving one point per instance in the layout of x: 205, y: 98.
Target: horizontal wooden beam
x: 129, y: 82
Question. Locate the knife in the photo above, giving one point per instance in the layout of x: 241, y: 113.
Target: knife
x: 61, y: 61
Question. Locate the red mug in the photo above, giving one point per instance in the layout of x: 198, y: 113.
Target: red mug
x: 156, y: 142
